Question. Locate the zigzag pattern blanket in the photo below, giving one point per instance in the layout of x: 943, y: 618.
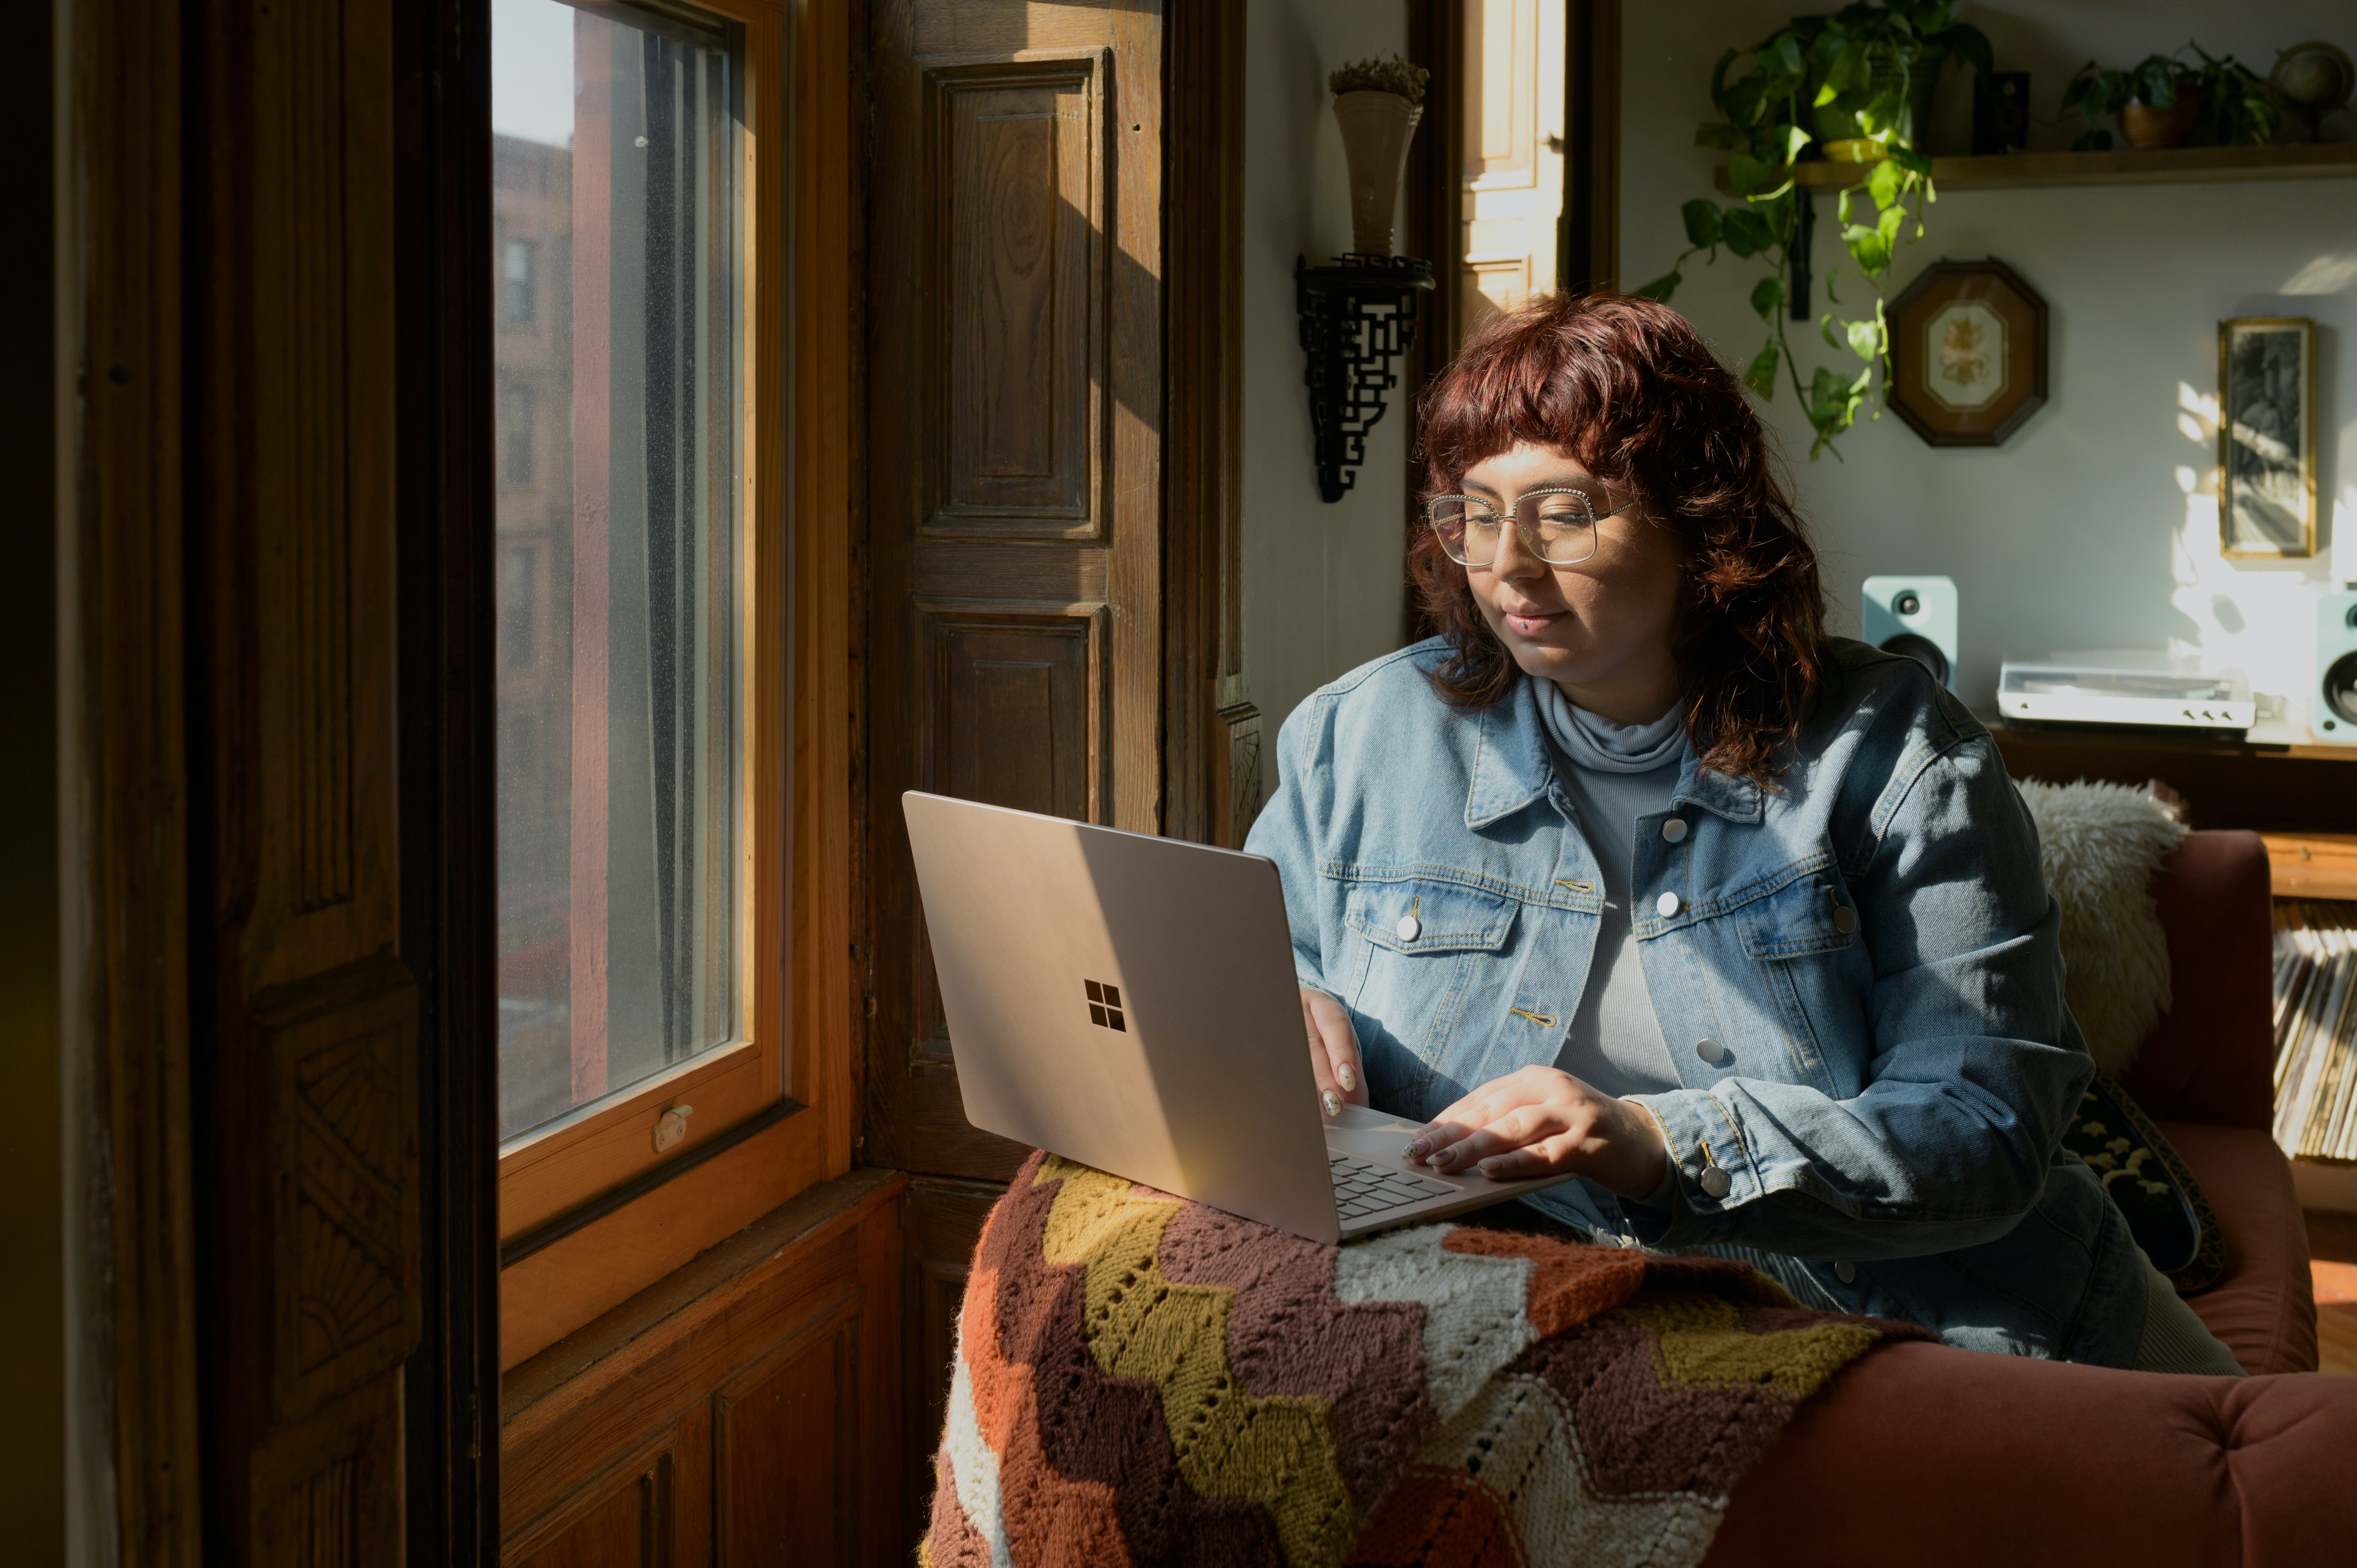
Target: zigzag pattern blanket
x: 1141, y: 1380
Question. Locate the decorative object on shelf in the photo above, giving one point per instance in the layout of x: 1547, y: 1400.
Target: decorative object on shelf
x: 1967, y: 353
x: 1852, y: 85
x: 1377, y: 102
x: 2332, y: 700
x: 2266, y: 435
x: 2314, y: 78
x: 2162, y: 99
x: 2000, y: 112
x: 1357, y: 317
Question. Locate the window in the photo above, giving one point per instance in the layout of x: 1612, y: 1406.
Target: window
x: 650, y: 871
x: 517, y: 275
x: 620, y: 955
x: 516, y: 433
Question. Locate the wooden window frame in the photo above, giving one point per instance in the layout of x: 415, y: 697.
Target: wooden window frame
x: 585, y: 1222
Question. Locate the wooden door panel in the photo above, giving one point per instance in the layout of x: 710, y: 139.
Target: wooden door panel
x: 788, y: 1430
x: 1014, y: 469
x: 650, y: 1510
x: 1015, y: 262
x: 1014, y: 710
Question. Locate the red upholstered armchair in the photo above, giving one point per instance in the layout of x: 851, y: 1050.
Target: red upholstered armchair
x: 1930, y: 1455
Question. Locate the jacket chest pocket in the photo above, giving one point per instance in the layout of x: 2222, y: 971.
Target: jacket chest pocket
x: 1428, y: 942
x: 1427, y: 918
x: 1811, y: 913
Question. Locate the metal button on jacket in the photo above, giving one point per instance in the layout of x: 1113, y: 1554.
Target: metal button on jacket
x: 1709, y: 1050
x: 1408, y: 929
x: 1674, y: 829
x: 1716, y: 1182
x: 1844, y: 918
x: 1845, y: 1273
x: 1667, y: 904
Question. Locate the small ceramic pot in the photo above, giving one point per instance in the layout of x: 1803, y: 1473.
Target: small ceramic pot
x: 2141, y: 126
x: 1376, y: 131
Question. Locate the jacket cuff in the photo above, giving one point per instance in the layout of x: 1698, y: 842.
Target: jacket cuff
x: 1710, y: 1171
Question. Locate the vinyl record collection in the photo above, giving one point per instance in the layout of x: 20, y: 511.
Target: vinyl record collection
x: 2316, y: 1029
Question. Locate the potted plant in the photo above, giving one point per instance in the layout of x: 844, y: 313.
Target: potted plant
x: 2163, y: 100
x: 1377, y: 102
x: 1853, y: 85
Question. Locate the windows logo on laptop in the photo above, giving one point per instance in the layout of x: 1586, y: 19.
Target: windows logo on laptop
x: 1105, y: 1006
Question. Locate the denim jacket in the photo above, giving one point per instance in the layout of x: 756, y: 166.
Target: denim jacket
x: 1857, y: 973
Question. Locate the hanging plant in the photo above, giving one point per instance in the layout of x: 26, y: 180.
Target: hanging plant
x: 1854, y: 85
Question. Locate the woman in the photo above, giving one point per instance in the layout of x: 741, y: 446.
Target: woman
x: 1633, y: 874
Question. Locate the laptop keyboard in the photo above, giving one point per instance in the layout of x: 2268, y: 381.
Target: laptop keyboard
x: 1362, y: 1189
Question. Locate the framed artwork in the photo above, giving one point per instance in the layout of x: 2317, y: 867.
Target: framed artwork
x: 2266, y: 435
x: 1967, y: 353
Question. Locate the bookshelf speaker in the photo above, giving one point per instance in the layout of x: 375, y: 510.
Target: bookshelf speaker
x: 2332, y: 700
x: 1916, y: 616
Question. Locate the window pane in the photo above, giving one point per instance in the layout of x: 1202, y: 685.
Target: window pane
x: 616, y: 313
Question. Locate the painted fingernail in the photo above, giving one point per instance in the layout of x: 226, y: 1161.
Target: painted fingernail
x: 1350, y: 1079
x: 1410, y: 1152
x: 1333, y: 1103
x: 1415, y: 1149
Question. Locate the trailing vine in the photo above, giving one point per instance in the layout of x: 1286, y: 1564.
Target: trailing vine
x: 1856, y: 78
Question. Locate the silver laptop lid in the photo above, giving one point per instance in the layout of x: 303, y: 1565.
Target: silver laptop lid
x: 1127, y: 1002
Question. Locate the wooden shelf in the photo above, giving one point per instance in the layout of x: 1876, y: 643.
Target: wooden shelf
x: 2171, y: 166
x: 2285, y: 784
x: 2312, y: 865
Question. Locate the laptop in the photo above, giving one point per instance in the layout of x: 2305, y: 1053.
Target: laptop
x: 1129, y: 1002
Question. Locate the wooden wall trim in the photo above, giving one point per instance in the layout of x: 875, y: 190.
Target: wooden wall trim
x: 448, y: 846
x: 1590, y: 256
x: 1210, y: 731
x: 822, y: 403
x: 130, y: 999
x: 1435, y: 230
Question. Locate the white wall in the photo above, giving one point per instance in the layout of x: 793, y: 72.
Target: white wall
x: 2094, y: 525
x: 1323, y: 586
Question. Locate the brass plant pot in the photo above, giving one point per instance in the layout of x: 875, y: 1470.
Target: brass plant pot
x: 2142, y: 125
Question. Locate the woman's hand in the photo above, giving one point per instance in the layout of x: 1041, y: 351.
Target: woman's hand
x: 1543, y: 1122
x: 1333, y: 1052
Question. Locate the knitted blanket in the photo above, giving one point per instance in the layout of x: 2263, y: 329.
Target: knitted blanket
x: 1141, y: 1380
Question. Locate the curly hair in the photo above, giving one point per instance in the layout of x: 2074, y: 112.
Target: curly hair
x: 1627, y: 388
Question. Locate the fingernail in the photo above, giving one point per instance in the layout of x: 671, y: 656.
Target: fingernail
x: 1489, y: 1167
x: 1333, y: 1103
x: 1415, y: 1150
x: 1350, y: 1079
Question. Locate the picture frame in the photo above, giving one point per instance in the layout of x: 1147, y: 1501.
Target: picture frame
x: 2266, y: 436
x: 1968, y: 347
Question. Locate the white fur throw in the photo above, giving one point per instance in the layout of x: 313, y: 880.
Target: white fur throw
x: 2099, y: 844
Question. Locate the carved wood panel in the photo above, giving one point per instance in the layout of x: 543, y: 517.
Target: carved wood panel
x: 309, y: 1091
x: 346, y: 1217
x: 1012, y: 473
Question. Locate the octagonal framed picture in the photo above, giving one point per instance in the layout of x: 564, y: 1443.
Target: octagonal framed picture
x: 1967, y: 353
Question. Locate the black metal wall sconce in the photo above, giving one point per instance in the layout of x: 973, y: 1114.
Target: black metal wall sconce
x: 1357, y: 317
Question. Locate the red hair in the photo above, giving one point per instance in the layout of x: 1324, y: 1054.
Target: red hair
x: 1627, y: 388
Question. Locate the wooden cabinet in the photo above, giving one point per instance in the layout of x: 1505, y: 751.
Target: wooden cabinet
x: 744, y: 1411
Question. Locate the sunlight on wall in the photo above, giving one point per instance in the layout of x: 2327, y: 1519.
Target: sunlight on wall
x: 2326, y: 275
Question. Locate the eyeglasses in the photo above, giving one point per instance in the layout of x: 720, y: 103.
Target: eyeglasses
x: 1557, y: 525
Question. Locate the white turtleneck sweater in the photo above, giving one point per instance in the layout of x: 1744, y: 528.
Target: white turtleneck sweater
x: 1615, y: 774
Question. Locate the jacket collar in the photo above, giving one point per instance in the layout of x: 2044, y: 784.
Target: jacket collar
x: 1513, y: 766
